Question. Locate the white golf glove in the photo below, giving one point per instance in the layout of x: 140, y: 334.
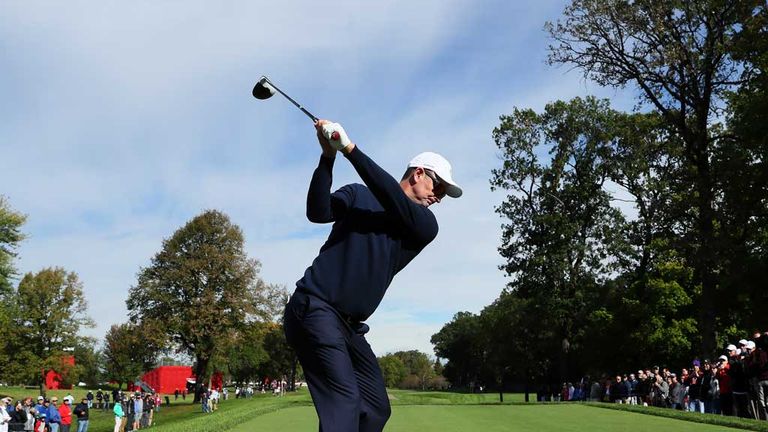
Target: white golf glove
x: 336, y: 135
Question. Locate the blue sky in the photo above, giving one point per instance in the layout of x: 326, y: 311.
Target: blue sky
x: 123, y: 120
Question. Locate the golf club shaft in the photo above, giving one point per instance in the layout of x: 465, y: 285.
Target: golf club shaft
x: 309, y: 114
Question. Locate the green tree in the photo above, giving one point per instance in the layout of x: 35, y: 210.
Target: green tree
x: 418, y: 364
x: 10, y: 236
x: 130, y: 350
x: 281, y: 359
x: 246, y: 353
x: 562, y: 236
x: 460, y: 341
x: 51, y: 310
x: 89, y: 362
x: 199, y: 288
x: 393, y: 369
x: 677, y: 54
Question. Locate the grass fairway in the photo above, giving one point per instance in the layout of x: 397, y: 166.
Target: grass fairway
x: 487, y: 418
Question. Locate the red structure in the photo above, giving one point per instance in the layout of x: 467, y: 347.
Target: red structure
x: 53, y: 378
x: 166, y: 379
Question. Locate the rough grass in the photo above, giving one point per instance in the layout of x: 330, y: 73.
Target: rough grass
x: 712, y: 419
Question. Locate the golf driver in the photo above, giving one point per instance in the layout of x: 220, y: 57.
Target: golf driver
x: 264, y: 89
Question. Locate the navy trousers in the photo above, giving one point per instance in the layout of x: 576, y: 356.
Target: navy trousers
x: 342, y: 373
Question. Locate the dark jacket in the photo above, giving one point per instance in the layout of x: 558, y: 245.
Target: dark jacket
x: 81, y: 411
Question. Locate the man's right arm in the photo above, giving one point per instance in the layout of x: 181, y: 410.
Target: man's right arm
x: 322, y: 206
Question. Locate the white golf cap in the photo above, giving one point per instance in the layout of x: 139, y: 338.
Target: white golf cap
x: 750, y: 345
x: 441, y: 167
x: 742, y: 342
x: 730, y: 347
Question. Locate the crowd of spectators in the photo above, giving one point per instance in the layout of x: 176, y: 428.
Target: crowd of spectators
x: 132, y: 411
x: 734, y: 384
x: 43, y: 415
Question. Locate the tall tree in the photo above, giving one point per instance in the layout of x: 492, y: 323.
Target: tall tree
x: 201, y: 287
x: 562, y: 237
x: 677, y: 54
x: 51, y: 311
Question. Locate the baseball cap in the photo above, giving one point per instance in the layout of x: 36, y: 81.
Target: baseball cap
x: 722, y: 357
x: 742, y: 342
x: 730, y: 347
x: 440, y: 166
x: 40, y: 398
x: 750, y: 345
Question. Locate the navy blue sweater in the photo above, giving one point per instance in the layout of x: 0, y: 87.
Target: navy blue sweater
x: 377, y: 231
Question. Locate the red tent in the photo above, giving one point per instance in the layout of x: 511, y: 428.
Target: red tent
x: 53, y: 378
x: 166, y: 379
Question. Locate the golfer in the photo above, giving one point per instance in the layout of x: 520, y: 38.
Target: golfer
x: 377, y: 230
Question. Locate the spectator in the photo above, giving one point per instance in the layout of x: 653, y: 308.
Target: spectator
x: 99, y: 398
x: 676, y: 393
x: 66, y: 415
x: 739, y: 381
x: 714, y: 391
x: 89, y: 397
x: 760, y: 365
x: 29, y: 409
x: 726, y: 396
x: 119, y: 416
x: 18, y: 417
x: 81, y: 411
x: 594, y: 392
x: 694, y: 393
x: 5, y: 418
x: 54, y: 417
x: 138, y: 411
x: 618, y: 390
x: 660, y: 392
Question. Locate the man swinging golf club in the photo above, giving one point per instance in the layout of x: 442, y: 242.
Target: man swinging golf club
x: 377, y: 230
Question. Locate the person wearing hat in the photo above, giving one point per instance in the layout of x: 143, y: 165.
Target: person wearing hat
x: 54, y: 417
x: 378, y: 228
x: 739, y: 382
x: 5, y: 417
x: 66, y: 414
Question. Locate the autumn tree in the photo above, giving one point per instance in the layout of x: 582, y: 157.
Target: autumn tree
x: 199, y: 288
x: 51, y: 311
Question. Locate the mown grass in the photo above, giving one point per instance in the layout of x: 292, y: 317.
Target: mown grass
x: 490, y: 418
x: 422, y: 411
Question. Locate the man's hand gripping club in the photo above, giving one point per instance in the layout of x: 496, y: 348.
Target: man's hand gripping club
x: 332, y: 138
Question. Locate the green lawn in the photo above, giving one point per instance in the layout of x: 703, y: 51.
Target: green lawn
x: 416, y: 411
x: 488, y: 418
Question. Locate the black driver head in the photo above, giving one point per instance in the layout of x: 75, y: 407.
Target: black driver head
x: 263, y: 89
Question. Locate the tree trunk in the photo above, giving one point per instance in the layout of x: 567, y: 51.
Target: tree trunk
x: 201, y: 366
x: 706, y: 262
